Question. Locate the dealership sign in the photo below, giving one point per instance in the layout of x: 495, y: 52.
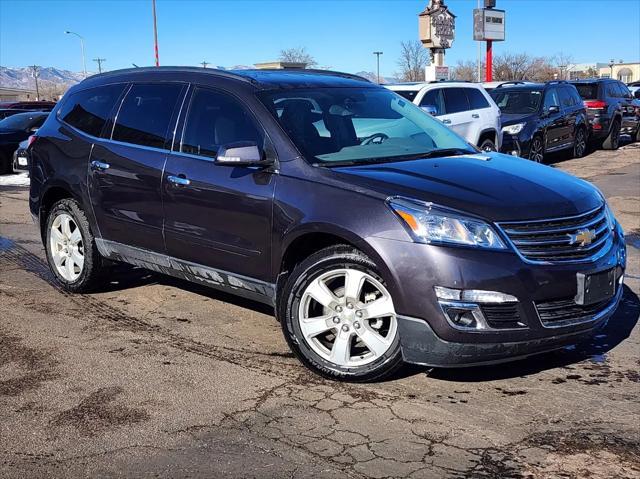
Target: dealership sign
x: 437, y: 25
x: 488, y: 25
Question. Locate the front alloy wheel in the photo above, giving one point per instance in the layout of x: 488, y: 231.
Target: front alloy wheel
x: 338, y: 316
x: 536, y: 153
x: 580, y: 146
x: 67, y: 249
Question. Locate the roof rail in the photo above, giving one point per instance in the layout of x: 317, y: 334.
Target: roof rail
x: 450, y: 81
x: 211, y: 71
x: 313, y: 71
x: 518, y: 82
x: 555, y: 82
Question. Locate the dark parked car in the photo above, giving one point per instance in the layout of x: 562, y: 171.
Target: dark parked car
x: 612, y: 111
x: 28, y: 105
x: 541, y: 118
x: 7, y: 112
x: 378, y: 234
x: 13, y: 130
x: 21, y: 156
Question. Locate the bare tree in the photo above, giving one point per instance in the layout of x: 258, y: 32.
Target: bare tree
x: 413, y: 60
x: 522, y: 66
x: 563, y: 62
x: 298, y: 55
x: 466, y: 71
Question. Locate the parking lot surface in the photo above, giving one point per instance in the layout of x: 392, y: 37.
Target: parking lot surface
x: 156, y: 377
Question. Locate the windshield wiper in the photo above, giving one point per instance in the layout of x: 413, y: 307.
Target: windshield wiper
x: 392, y: 159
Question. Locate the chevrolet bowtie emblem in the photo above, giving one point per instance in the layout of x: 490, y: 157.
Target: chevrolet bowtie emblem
x: 582, y: 237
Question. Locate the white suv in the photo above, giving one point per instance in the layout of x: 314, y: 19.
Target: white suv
x: 465, y: 107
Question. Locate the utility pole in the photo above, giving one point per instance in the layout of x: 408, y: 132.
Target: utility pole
x: 155, y: 32
x: 204, y: 64
x: 99, y: 62
x: 377, y: 54
x: 36, y: 73
x: 562, y: 75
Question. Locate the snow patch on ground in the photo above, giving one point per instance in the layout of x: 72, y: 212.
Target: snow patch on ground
x: 18, y: 179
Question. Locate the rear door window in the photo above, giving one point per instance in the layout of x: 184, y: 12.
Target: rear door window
x: 88, y: 110
x: 623, y: 90
x: 434, y: 98
x: 214, y: 119
x: 455, y: 100
x: 146, y: 113
x: 477, y: 100
x: 612, y: 91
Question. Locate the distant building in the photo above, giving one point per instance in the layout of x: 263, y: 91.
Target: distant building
x: 281, y: 65
x: 625, y: 72
x: 584, y: 70
x: 16, y: 94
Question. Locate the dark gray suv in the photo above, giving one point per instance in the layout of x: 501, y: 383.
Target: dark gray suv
x: 378, y: 235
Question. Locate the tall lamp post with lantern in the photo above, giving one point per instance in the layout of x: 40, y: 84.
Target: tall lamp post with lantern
x: 489, y: 26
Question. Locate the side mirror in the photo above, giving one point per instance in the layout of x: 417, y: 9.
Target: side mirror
x: 430, y: 109
x: 552, y: 110
x: 636, y: 94
x: 242, y: 153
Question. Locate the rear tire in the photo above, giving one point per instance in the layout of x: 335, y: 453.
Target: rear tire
x: 612, y: 142
x: 580, y: 143
x: 71, y: 249
x: 326, y: 313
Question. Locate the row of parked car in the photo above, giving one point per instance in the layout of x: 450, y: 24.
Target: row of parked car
x: 19, y: 120
x: 529, y: 119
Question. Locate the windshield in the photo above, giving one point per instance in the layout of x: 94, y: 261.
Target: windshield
x: 22, y: 121
x: 517, y: 101
x: 358, y: 125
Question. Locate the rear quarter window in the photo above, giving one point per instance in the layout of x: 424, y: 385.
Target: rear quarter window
x: 407, y: 94
x: 88, y: 110
x: 587, y: 91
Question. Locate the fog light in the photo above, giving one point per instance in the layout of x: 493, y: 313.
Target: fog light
x: 464, y: 316
x: 514, y: 153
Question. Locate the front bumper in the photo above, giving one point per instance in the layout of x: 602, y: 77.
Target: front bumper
x: 516, y: 145
x: 428, y: 338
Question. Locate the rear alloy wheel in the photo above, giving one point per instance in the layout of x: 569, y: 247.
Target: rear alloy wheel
x: 339, y: 318
x: 536, y: 153
x: 580, y: 144
x: 488, y: 145
x: 613, y: 140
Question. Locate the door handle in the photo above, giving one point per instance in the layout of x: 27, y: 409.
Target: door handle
x: 179, y: 180
x: 99, y: 165
x: 446, y: 122
x: 475, y: 115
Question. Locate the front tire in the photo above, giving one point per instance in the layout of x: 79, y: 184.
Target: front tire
x: 536, y: 152
x: 71, y: 249
x: 338, y: 316
x: 487, y: 145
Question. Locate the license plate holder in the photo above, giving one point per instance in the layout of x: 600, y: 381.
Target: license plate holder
x: 596, y: 287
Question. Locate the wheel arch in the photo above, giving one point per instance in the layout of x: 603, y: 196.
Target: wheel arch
x: 52, y: 194
x: 488, y: 133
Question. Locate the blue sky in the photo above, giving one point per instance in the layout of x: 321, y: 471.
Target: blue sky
x: 341, y: 34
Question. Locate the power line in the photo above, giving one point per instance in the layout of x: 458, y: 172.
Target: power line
x: 99, y: 62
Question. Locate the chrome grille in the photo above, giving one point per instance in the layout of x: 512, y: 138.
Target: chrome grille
x: 550, y: 241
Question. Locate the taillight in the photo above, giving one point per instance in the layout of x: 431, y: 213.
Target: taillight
x: 30, y: 140
x: 595, y: 104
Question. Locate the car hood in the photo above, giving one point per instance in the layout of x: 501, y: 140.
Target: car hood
x: 513, y: 118
x: 493, y: 186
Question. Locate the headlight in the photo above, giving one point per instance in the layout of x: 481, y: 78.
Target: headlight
x: 513, y: 129
x: 431, y: 224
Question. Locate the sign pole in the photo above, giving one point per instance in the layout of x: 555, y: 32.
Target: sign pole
x: 489, y: 71
x: 155, y: 33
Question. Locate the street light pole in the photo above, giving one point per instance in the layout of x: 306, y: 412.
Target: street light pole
x: 613, y: 62
x: 155, y: 33
x: 377, y: 54
x: 84, y: 63
x: 36, y: 73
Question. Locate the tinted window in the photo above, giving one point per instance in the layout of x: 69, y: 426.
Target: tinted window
x: 577, y: 99
x: 612, y: 91
x: 477, y: 101
x: 551, y: 98
x: 408, y: 94
x: 215, y: 119
x: 145, y: 114
x: 88, y: 110
x: 588, y: 91
x: 623, y: 90
x: 565, y: 97
x: 455, y: 100
x: 434, y: 98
